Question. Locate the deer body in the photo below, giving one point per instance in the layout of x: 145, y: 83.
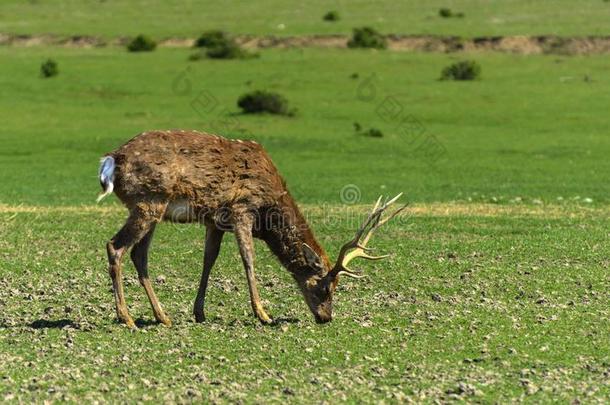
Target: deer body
x: 229, y: 186
x: 204, y: 170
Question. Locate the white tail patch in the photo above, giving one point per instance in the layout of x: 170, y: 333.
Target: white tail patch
x: 106, y: 176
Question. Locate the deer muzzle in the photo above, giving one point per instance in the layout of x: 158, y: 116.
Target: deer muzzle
x: 324, y: 313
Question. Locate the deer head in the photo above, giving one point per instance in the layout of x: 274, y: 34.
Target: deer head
x: 319, y: 287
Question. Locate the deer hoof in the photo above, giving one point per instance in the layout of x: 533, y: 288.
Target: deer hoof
x: 124, y: 317
x: 165, y: 321
x: 264, y: 319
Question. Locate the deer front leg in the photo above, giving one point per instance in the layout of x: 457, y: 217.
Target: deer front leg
x: 243, y: 234
x: 139, y: 257
x: 213, y: 238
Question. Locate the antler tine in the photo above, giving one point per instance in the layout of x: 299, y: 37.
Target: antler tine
x: 392, y: 215
x: 379, y: 222
x: 359, y: 243
x: 349, y: 273
x: 355, y: 241
x: 373, y: 216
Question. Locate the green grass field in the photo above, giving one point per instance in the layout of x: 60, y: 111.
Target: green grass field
x: 498, y: 287
x: 111, y: 18
x: 532, y: 128
x: 486, y: 306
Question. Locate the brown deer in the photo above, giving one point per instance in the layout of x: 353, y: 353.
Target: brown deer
x: 227, y: 185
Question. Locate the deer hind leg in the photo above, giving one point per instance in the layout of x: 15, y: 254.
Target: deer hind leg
x: 141, y: 219
x: 213, y: 239
x: 243, y: 234
x: 139, y: 257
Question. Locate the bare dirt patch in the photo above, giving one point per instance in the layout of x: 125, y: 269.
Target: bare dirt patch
x: 315, y: 41
x: 527, y: 45
x: 177, y: 42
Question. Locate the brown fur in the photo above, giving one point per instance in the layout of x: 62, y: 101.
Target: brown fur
x: 228, y: 185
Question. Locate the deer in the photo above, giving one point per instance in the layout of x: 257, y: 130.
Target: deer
x: 227, y: 186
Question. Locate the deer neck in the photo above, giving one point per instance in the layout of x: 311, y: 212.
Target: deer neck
x: 285, y: 235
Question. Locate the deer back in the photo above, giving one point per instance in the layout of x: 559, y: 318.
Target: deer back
x: 203, y: 169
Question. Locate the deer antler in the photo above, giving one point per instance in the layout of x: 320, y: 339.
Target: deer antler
x: 364, y: 233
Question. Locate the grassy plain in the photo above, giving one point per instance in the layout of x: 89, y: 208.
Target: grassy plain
x: 533, y: 128
x: 498, y: 290
x: 167, y: 18
x: 481, y: 303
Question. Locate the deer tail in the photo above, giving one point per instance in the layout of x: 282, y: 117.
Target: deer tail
x: 106, y: 176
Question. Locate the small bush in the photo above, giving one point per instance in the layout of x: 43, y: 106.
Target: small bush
x: 49, y: 68
x: 447, y: 13
x: 331, y: 16
x: 367, y: 37
x: 228, y: 50
x: 464, y: 70
x: 261, y: 101
x: 224, y: 51
x: 141, y: 43
x: 211, y: 39
x: 373, y: 133
x: 219, y: 46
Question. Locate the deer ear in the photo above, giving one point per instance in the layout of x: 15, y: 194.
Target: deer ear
x: 311, y: 256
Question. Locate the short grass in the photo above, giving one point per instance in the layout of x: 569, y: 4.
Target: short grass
x: 533, y: 128
x: 166, y: 18
x: 495, y: 306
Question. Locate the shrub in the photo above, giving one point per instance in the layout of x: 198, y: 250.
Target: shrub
x: 228, y: 50
x: 210, y: 39
x: 367, y: 37
x: 445, y: 12
x: 141, y: 43
x: 464, y: 70
x: 49, y: 68
x: 331, y: 16
x: 261, y: 101
x: 219, y: 46
x: 373, y: 133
